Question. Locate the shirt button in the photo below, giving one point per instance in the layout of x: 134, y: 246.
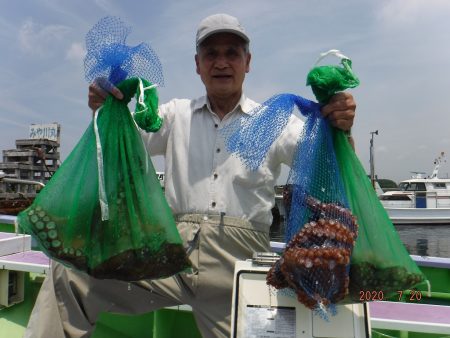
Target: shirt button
x: 213, y: 204
x: 215, y: 176
x: 216, y: 125
x: 218, y: 150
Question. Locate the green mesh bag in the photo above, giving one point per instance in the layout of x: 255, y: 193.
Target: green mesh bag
x: 104, y: 211
x: 379, y: 261
x: 325, y: 81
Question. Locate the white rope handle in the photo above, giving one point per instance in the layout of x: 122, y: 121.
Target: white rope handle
x: 141, y: 95
x: 142, y: 89
x: 334, y: 52
x: 101, y: 174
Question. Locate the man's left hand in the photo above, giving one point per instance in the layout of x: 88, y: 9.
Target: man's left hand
x: 340, y: 111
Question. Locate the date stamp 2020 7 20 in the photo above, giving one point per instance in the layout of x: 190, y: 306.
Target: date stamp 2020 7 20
x: 374, y: 295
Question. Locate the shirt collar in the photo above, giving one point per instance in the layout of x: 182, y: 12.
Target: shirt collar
x: 243, y: 104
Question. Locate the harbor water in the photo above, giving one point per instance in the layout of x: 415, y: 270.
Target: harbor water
x: 426, y: 240
x: 422, y: 240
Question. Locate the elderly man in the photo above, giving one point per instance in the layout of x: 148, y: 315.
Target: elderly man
x: 223, y: 210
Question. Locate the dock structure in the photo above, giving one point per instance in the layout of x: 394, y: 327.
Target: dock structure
x: 33, y: 161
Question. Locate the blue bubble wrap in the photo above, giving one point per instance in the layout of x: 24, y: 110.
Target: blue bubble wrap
x: 109, y: 57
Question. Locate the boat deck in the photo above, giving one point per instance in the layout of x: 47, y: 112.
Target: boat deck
x: 29, y: 261
x: 408, y: 317
x: 415, y: 317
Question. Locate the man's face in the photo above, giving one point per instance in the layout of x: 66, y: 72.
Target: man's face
x: 222, y: 63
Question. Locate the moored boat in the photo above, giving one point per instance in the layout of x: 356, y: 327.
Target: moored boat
x: 420, y: 200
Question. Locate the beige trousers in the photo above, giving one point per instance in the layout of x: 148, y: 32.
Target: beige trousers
x: 70, y: 302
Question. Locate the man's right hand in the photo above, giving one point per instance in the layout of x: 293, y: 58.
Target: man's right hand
x: 99, y: 90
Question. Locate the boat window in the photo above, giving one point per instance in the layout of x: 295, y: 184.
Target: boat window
x: 403, y: 186
x: 439, y: 185
x: 415, y: 186
x: 395, y: 198
x: 420, y: 187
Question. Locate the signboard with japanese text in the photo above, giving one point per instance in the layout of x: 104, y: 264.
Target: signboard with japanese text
x: 48, y: 131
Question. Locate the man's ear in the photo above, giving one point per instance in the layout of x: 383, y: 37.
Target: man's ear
x: 197, y: 69
x: 247, y: 66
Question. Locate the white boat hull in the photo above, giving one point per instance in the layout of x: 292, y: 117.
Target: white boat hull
x: 419, y: 215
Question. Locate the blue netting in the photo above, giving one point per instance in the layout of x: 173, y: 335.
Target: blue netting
x: 251, y: 136
x: 320, y: 229
x: 314, y: 171
x: 109, y: 57
x: 314, y: 174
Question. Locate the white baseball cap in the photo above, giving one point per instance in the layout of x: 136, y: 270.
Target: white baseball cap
x: 219, y: 23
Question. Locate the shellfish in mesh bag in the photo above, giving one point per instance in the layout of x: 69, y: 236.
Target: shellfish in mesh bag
x: 317, y: 259
x: 380, y: 261
x: 104, y: 212
x: 127, y: 234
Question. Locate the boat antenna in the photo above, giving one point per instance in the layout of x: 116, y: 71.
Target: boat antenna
x: 372, y: 159
x: 437, y: 163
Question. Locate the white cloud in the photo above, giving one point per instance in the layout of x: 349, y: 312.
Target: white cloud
x: 106, y: 5
x: 6, y: 28
x: 17, y: 108
x: 402, y: 12
x: 12, y: 122
x: 38, y: 39
x: 76, y: 52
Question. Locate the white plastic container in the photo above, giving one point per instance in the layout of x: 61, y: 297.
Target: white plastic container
x: 260, y: 311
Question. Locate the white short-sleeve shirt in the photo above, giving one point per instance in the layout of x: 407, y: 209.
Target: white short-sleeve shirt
x: 201, y: 176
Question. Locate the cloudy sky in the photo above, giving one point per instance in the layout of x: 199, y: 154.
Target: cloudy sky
x: 400, y: 51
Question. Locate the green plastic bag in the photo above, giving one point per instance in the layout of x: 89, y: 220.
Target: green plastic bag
x: 380, y: 264
x: 104, y: 211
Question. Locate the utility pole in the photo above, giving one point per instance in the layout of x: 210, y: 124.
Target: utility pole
x: 372, y: 159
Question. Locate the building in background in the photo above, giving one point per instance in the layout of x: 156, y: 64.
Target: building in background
x: 29, y: 166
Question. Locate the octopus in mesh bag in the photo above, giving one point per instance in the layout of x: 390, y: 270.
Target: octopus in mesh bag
x: 315, y: 261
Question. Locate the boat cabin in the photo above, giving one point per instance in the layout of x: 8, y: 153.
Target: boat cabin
x: 419, y: 193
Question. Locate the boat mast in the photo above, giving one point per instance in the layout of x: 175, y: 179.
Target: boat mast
x: 437, y: 163
x: 372, y: 159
